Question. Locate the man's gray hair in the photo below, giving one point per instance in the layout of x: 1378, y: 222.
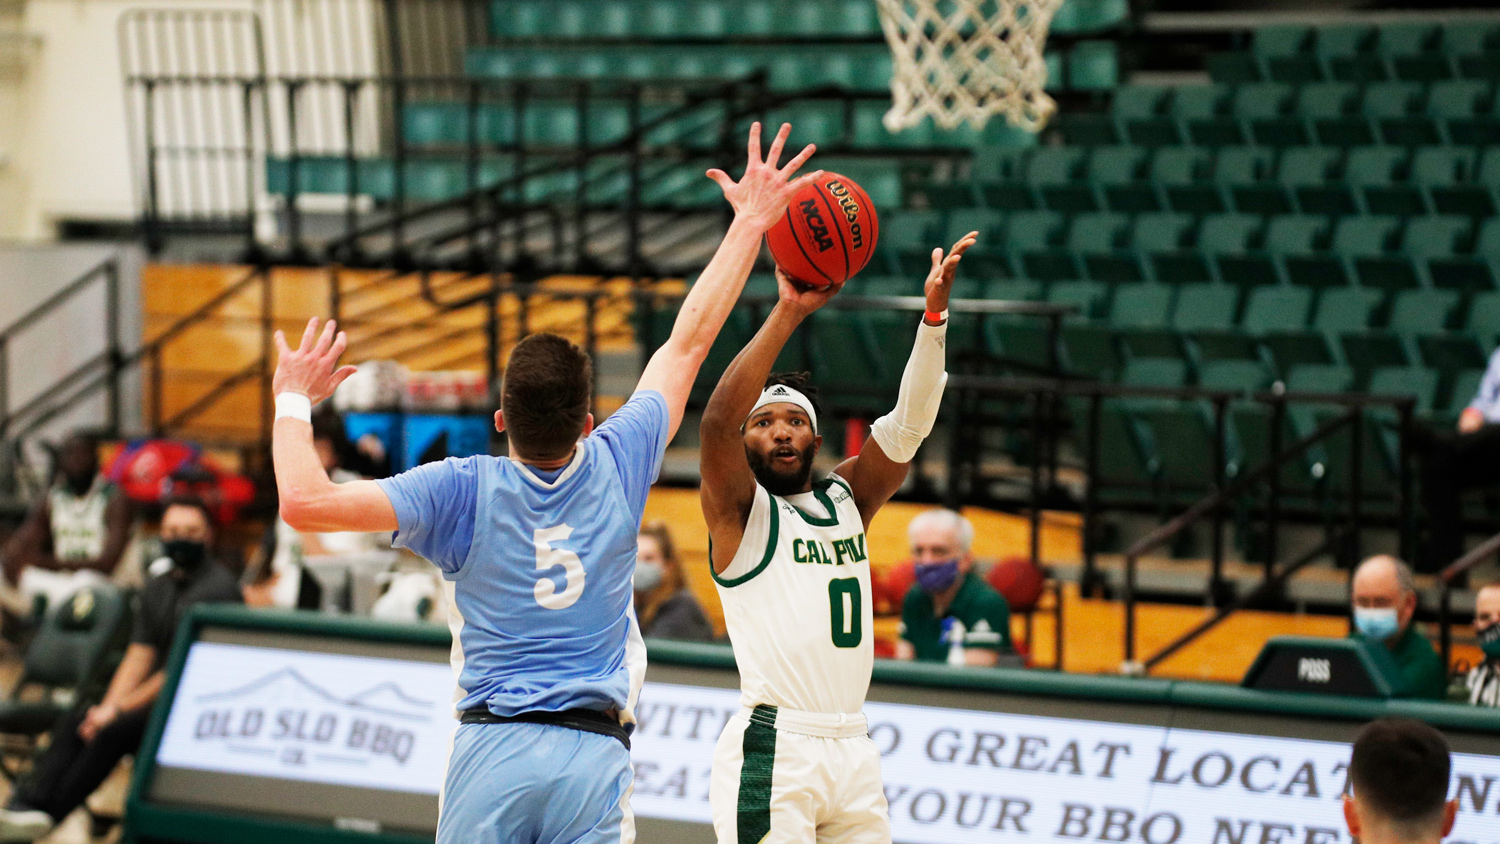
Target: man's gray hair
x: 1404, y: 576
x: 947, y: 520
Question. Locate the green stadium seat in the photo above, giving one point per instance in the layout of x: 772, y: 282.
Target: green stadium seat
x: 1452, y: 351
x: 1276, y: 308
x: 1288, y: 349
x: 1423, y: 311
x: 1483, y: 319
x: 1025, y: 344
x: 1140, y: 113
x: 1093, y: 66
x: 1031, y: 239
x: 1202, y: 113
x: 847, y: 356
x: 1434, y: 244
x: 1205, y: 316
x: 1096, y: 240
x: 1465, y: 108
x: 1226, y: 240
x: 1183, y: 175
x: 903, y: 232
x: 1162, y: 241
x: 1233, y: 67
x: 1085, y: 17
x: 1368, y: 351
x: 1307, y: 174
x: 1092, y: 351
x: 1284, y: 53
x: 1296, y: 241
x: 1154, y: 372
x: 1346, y: 309
x: 1448, y: 175
x: 752, y: 18
x: 1462, y: 390
x: 1266, y: 110
x: 1090, y: 297
x: 1244, y: 174
x: 1472, y: 45
x: 1332, y: 109
x: 1413, y: 51
x: 1056, y: 176
x: 1367, y: 245
x: 1120, y: 176
x: 1347, y: 53
x: 1246, y: 376
x: 1127, y: 468
x: 1487, y: 247
x: 1139, y: 314
x: 1008, y: 290
x: 1416, y: 381
x: 1375, y: 175
x: 1184, y: 435
x: 1397, y: 109
x: 890, y: 285
x: 551, y: 124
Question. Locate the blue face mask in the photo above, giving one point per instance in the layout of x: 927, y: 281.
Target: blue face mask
x: 1489, y: 640
x: 935, y: 577
x: 1376, y: 623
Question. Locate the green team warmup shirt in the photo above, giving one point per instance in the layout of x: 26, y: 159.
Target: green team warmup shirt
x: 979, y: 608
x: 1419, y: 664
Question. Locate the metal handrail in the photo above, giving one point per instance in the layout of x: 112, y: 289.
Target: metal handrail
x: 1446, y: 578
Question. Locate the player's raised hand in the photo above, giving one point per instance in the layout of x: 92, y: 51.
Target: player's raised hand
x: 802, y: 298
x: 939, y: 284
x: 761, y: 195
x: 310, y: 368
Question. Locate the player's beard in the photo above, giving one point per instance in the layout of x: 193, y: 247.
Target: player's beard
x: 783, y: 482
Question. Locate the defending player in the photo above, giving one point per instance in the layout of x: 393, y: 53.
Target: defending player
x: 789, y: 557
x: 537, y: 549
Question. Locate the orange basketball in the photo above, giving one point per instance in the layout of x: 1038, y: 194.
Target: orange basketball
x: 828, y: 233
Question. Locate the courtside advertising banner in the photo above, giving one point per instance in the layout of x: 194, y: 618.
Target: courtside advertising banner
x: 325, y: 718
x: 954, y: 776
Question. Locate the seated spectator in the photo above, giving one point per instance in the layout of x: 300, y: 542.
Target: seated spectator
x: 1385, y: 600
x: 86, y: 748
x: 1483, y: 680
x: 1398, y: 784
x: 664, y: 606
x: 950, y: 614
x: 1455, y: 461
x: 282, y: 579
x: 74, y: 535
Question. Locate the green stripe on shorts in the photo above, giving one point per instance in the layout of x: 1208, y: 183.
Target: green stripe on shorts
x: 754, y: 821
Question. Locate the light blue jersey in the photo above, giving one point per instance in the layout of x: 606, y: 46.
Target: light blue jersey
x: 540, y: 565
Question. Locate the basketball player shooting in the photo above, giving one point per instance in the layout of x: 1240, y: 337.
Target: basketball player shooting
x: 537, y: 549
x: 796, y: 764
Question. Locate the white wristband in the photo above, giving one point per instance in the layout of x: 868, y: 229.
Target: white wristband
x: 294, y: 406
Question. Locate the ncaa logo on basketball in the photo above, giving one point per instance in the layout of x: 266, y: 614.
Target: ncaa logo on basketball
x: 851, y: 211
x: 815, y: 225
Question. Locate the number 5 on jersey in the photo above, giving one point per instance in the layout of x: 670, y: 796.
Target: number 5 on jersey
x: 548, y: 558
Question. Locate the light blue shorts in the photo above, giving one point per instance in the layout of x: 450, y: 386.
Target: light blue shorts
x: 536, y: 784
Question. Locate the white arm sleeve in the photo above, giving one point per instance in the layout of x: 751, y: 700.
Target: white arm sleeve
x: 901, y: 431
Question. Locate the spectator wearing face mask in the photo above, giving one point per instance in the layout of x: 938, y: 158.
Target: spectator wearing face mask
x: 663, y: 604
x: 86, y: 747
x: 950, y: 614
x: 1385, y: 600
x: 1483, y: 680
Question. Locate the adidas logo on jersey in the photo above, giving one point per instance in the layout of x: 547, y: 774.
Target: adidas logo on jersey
x: 845, y: 551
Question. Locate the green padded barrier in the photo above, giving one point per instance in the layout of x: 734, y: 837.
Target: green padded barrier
x: 1183, y: 174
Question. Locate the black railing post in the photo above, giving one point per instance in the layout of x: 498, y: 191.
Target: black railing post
x: 471, y: 168
x: 581, y: 190
x: 1089, y: 581
x: 1057, y: 623
x: 152, y: 222
x: 253, y: 251
x: 1404, y: 509
x: 1035, y: 517
x: 1273, y: 501
x: 4, y: 385
x: 112, y: 337
x: 351, y: 170
x: 1216, y: 577
x: 157, y: 388
x: 633, y: 193
x: 1130, y: 561
x: 1356, y: 485
x: 398, y: 157
x: 293, y: 172
x: 267, y: 365
x: 1445, y: 609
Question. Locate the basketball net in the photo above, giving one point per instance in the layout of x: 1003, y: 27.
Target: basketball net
x: 967, y: 60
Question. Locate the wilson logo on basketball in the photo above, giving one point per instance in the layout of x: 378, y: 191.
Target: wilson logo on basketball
x: 851, y: 212
x: 815, y: 225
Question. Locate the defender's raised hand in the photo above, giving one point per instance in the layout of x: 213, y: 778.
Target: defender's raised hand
x: 939, y: 284
x: 761, y: 195
x: 309, y: 369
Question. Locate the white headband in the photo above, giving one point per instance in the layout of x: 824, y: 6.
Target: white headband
x: 781, y: 393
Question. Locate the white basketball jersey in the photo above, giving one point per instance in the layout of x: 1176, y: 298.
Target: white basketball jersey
x: 78, y: 529
x: 797, y: 602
